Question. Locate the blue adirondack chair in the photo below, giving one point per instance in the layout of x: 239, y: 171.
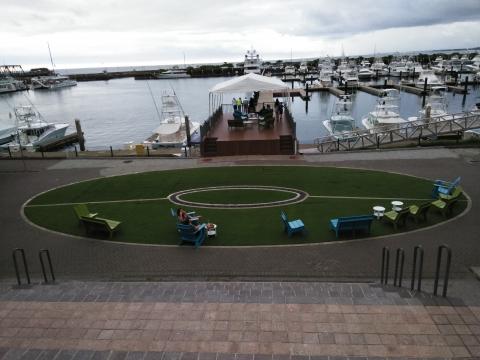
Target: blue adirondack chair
x: 191, y: 214
x: 292, y: 227
x: 444, y: 187
x: 189, y: 233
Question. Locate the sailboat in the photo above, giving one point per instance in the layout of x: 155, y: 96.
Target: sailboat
x: 51, y: 82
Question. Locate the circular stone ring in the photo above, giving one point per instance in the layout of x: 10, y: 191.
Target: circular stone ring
x: 297, y: 196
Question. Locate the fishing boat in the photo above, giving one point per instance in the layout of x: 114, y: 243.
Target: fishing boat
x: 7, y: 133
x: 289, y: 70
x: 172, y: 131
x: 32, y: 131
x: 386, y: 115
x: 341, y: 122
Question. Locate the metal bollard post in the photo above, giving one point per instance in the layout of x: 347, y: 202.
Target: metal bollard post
x: 447, y: 270
x: 45, y: 251
x: 385, y: 265
x: 25, y: 265
x: 400, y: 256
x: 417, y: 249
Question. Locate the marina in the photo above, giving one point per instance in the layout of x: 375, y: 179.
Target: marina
x: 127, y: 110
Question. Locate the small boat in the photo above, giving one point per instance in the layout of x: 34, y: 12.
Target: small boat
x: 341, y: 122
x: 173, y: 73
x: 52, y: 82
x: 365, y: 73
x: 432, y: 79
x: 172, y: 130
x: 33, y: 131
x: 386, y: 115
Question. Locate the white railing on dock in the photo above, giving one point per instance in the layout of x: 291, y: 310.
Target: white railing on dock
x: 414, y: 130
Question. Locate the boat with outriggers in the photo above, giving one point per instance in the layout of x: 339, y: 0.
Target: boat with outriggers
x: 386, y: 115
x: 32, y: 131
x: 172, y: 131
x: 341, y: 124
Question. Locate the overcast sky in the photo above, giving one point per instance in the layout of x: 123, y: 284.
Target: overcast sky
x: 86, y: 33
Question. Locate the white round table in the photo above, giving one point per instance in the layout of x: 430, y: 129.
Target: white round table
x: 397, y: 205
x: 212, y: 232
x: 378, y: 211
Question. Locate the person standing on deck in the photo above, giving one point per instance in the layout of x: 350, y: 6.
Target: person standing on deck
x: 239, y: 104
x: 245, y: 105
x: 234, y: 103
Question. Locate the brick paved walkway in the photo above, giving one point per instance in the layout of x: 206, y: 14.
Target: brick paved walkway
x: 229, y: 321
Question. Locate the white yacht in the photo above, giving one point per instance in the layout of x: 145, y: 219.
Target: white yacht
x: 289, y: 70
x: 9, y: 84
x: 386, y: 115
x: 364, y: 73
x: 341, y: 122
x: 174, y: 73
x: 379, y: 67
x: 436, y: 104
x: 351, y: 77
x: 33, y: 131
x: 172, y: 129
x: 52, y: 82
x: 413, y: 68
x: 303, y: 69
x: 432, y: 79
x: 326, y: 75
x: 252, y: 63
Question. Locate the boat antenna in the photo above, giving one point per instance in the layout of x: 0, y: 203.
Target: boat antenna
x: 176, y: 97
x: 33, y: 106
x: 154, y: 102
x: 51, y: 58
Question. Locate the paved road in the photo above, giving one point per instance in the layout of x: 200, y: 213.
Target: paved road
x: 91, y: 259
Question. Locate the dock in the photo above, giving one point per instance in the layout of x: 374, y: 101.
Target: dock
x: 408, y: 88
x: 65, y: 141
x: 370, y: 90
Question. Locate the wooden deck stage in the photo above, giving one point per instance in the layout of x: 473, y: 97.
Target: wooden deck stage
x: 251, y: 139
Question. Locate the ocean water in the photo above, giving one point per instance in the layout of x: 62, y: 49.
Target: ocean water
x: 118, y: 111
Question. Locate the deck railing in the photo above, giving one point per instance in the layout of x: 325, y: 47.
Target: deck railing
x: 413, y: 130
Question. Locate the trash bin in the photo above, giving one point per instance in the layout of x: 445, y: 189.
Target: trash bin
x: 140, y: 149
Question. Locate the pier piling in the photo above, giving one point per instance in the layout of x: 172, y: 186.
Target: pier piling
x: 424, y: 92
x: 81, y: 139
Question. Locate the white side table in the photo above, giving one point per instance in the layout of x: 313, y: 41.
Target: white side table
x: 397, y: 205
x: 378, y: 211
x: 212, y: 232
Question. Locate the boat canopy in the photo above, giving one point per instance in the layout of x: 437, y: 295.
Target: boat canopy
x: 249, y: 83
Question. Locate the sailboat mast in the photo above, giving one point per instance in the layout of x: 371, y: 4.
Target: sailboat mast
x: 51, y: 58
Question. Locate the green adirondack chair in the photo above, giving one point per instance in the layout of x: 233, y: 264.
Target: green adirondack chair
x: 419, y: 213
x: 82, y: 212
x: 397, y: 217
x: 446, y: 202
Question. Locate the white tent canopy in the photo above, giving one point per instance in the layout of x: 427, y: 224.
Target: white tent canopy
x: 249, y: 83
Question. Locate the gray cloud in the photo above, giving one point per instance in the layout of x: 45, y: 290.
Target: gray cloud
x: 159, y: 31
x: 348, y: 17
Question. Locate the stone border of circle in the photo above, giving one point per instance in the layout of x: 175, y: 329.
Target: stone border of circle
x: 300, y: 196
